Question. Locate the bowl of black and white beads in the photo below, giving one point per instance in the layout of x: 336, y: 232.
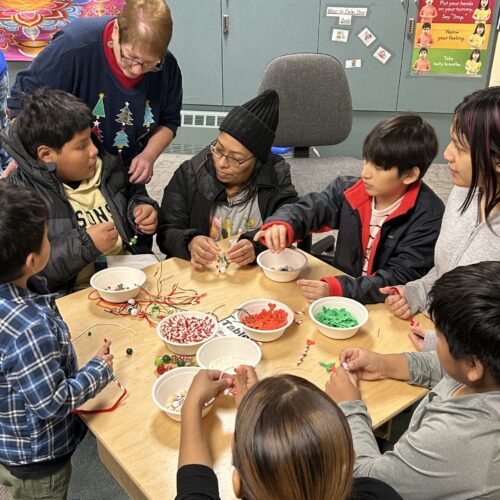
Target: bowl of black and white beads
x: 118, y: 284
x: 185, y: 332
x: 169, y: 391
x: 283, y: 266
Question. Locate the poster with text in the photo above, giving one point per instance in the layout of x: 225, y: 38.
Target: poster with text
x: 451, y: 37
x: 26, y: 27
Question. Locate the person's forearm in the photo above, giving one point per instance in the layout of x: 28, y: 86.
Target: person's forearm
x: 193, y: 446
x: 395, y: 366
x: 160, y: 139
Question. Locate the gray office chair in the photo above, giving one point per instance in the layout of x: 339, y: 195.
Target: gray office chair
x: 315, y: 109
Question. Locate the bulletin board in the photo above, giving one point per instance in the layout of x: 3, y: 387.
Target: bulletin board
x: 26, y: 27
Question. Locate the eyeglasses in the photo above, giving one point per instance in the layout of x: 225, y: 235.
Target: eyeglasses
x: 232, y: 162
x: 144, y: 66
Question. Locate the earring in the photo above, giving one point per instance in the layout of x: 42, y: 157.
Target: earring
x: 110, y: 44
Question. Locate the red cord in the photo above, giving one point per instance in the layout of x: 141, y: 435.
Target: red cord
x: 106, y: 410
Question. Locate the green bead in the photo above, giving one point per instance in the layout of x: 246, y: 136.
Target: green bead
x: 158, y: 362
x: 166, y: 358
x: 129, y: 351
x: 181, y: 362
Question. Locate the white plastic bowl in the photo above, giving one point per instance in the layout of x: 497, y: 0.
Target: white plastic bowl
x: 272, y: 262
x: 358, y: 310
x: 171, y: 382
x: 132, y: 279
x: 255, y: 306
x: 229, y: 351
x: 189, y: 348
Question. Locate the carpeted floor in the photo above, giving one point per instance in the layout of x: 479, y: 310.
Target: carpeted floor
x: 90, y: 479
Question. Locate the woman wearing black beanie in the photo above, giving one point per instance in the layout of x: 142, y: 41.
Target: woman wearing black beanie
x: 228, y: 188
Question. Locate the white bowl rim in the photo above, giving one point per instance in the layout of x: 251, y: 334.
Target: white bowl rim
x: 117, y: 268
x: 291, y: 316
x: 265, y: 252
x: 187, y: 344
x: 186, y: 369
x: 325, y: 299
x: 231, y: 337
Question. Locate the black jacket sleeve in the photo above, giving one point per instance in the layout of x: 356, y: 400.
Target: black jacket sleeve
x: 174, y: 228
x: 412, y: 257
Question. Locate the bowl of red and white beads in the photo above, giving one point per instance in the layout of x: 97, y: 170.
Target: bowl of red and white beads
x: 282, y: 266
x: 169, y: 391
x: 264, y: 320
x: 118, y: 284
x: 184, y: 332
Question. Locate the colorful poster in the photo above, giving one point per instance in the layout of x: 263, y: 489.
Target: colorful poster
x: 26, y: 26
x: 451, y: 37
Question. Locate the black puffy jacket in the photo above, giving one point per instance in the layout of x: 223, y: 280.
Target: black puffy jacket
x: 403, y: 251
x: 71, y: 247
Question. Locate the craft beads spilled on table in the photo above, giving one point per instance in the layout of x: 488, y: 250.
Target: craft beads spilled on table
x: 337, y: 318
x: 266, y: 319
x: 166, y: 358
x: 182, y: 329
x: 175, y: 401
x: 223, y: 362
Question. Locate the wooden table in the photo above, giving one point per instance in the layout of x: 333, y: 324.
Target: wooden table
x: 138, y: 443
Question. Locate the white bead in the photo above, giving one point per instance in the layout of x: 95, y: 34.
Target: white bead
x: 131, y: 302
x: 134, y: 312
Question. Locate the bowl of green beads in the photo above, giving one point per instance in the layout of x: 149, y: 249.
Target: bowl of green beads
x: 338, y: 317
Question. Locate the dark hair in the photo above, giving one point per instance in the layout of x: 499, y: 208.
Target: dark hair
x: 482, y: 26
x: 423, y: 49
x: 476, y: 124
x: 426, y: 25
x: 23, y: 217
x: 465, y: 307
x: 475, y: 51
x: 479, y: 5
x: 50, y: 118
x: 403, y: 141
x: 292, y: 441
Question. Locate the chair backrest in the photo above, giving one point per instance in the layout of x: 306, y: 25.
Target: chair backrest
x: 315, y: 100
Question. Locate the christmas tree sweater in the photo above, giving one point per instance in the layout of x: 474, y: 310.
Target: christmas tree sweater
x: 123, y: 118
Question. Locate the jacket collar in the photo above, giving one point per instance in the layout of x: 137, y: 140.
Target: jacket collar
x: 357, y: 196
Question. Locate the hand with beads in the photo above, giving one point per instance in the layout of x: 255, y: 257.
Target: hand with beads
x: 314, y: 289
x: 104, y: 352
x: 397, y: 303
x: 342, y: 386
x: 206, y: 385
x: 203, y: 251
x: 274, y: 237
x: 104, y: 236
x: 146, y: 218
x: 246, y: 377
x: 242, y: 253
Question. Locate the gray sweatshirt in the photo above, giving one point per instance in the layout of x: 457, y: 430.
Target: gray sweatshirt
x: 451, y: 449
x: 463, y: 240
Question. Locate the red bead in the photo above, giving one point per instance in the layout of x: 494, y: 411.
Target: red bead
x: 182, y: 357
x: 160, y: 369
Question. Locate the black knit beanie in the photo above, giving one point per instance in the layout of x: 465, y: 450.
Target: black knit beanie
x: 254, y: 123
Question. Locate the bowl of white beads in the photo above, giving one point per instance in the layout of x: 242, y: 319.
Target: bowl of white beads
x: 169, y: 391
x: 226, y: 353
x: 185, y: 332
x: 118, y: 284
x: 283, y: 266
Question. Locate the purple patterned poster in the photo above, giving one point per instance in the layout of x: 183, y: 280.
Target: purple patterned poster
x: 27, y: 26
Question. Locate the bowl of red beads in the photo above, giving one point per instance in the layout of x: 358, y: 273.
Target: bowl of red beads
x: 184, y: 332
x: 169, y: 391
x: 264, y: 320
x: 118, y: 284
x: 338, y: 317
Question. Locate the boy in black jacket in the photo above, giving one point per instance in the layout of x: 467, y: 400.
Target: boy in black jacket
x: 93, y: 209
x: 388, y: 220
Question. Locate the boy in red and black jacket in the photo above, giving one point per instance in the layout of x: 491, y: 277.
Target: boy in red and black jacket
x: 388, y: 220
